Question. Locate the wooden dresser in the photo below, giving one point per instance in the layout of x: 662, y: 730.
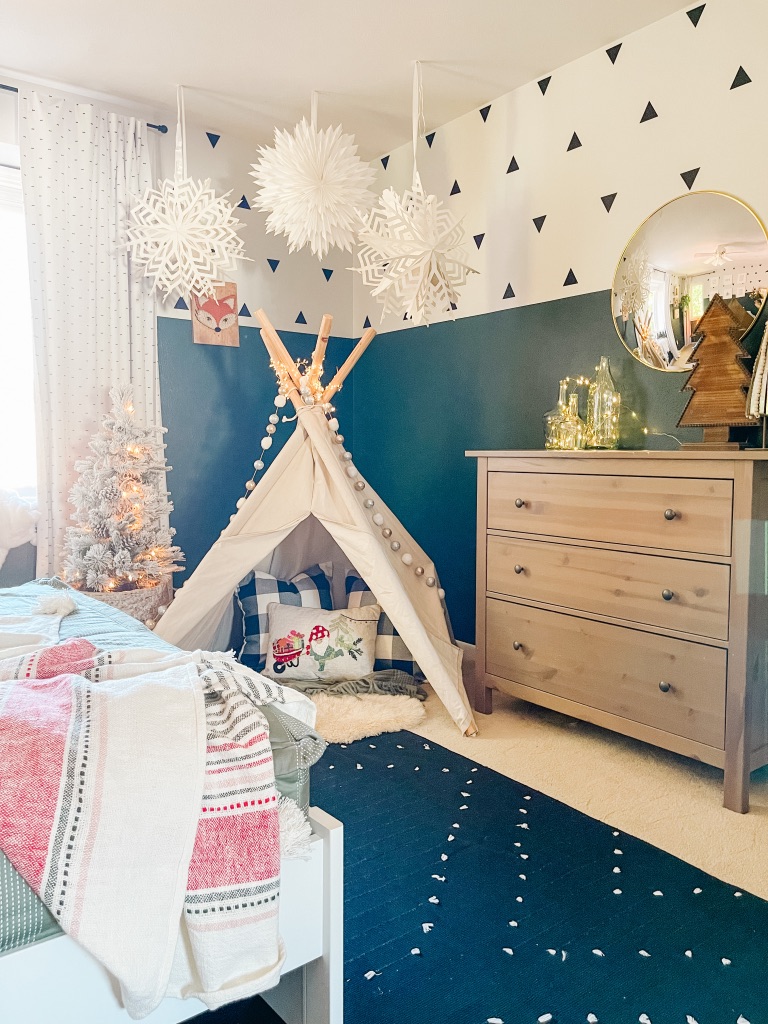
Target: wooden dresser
x: 629, y: 589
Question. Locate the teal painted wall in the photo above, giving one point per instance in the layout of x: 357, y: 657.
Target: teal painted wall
x: 216, y: 402
x: 426, y: 395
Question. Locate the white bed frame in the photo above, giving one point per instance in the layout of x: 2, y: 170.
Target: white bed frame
x: 58, y: 982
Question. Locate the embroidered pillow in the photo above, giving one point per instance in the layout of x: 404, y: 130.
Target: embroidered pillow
x: 309, y: 643
x: 310, y: 589
x: 391, y: 651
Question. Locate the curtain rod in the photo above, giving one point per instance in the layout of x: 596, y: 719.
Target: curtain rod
x: 162, y: 128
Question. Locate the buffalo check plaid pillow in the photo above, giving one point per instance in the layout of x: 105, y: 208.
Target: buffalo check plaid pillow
x: 391, y: 651
x: 310, y: 589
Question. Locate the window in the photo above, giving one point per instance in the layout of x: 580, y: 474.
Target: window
x: 17, y: 415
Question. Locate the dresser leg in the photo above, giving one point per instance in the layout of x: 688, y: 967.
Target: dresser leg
x: 736, y: 785
x: 482, y: 697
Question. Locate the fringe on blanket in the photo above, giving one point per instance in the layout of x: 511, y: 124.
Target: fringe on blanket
x: 295, y: 830
x: 391, y: 682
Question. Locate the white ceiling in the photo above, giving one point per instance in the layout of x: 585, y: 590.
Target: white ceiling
x: 253, y: 65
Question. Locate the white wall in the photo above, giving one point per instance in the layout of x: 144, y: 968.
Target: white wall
x: 684, y: 71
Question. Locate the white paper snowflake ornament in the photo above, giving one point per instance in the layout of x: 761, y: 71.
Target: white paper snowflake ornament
x: 312, y: 184
x: 182, y: 233
x: 412, y: 254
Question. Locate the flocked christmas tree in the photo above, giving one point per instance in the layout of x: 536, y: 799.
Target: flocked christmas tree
x: 121, y: 540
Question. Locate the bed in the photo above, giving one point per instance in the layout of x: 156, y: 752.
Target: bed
x: 77, y: 989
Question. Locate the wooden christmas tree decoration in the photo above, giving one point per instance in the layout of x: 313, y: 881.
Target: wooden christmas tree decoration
x: 719, y: 380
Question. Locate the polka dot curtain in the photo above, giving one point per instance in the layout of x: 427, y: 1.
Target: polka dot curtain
x: 93, y: 319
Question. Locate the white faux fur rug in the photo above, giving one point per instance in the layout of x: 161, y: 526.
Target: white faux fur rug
x: 346, y: 719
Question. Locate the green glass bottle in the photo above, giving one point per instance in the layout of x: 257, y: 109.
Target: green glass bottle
x: 603, y: 406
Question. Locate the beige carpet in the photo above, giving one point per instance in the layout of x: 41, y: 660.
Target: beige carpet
x: 670, y: 801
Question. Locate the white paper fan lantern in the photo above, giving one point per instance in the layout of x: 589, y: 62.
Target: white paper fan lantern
x: 182, y: 234
x: 412, y: 255
x: 312, y: 184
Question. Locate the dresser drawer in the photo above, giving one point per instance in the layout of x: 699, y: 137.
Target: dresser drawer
x: 630, y: 510
x: 673, y: 593
x: 612, y: 668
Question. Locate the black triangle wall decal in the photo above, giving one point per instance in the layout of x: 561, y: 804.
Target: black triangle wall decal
x: 479, y: 239
x: 648, y: 114
x: 430, y: 138
x: 454, y: 307
x: 485, y: 111
x: 544, y: 84
x: 613, y: 52
x: 367, y: 323
x: 455, y: 188
x: 539, y: 222
x: 695, y: 14
x: 607, y: 201
x: 742, y: 78
x: 384, y: 162
x: 570, y: 279
x: 508, y: 293
x: 513, y: 165
x: 690, y: 176
x: 575, y: 143
x: 301, y: 319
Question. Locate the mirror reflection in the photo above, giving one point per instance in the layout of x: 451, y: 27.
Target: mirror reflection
x: 698, y: 246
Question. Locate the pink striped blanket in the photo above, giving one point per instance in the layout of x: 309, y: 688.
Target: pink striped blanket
x: 137, y: 798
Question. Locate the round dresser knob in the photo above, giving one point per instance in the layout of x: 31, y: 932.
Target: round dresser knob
x: 517, y: 645
x: 519, y: 569
x: 519, y: 503
x: 670, y: 514
x: 664, y: 687
x: 667, y: 594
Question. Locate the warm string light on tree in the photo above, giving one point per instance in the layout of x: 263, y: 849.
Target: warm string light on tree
x: 122, y: 540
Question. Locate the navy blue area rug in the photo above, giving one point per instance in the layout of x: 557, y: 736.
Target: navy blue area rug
x: 472, y: 899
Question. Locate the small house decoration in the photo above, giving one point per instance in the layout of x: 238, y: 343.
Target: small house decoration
x: 215, y: 319
x: 719, y: 380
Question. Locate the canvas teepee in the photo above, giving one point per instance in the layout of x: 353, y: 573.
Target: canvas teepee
x: 308, y: 507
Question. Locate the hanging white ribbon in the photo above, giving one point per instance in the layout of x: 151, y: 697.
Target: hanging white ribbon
x: 313, y: 111
x: 417, y: 111
x: 180, y: 163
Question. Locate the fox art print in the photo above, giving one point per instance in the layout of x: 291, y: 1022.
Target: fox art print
x: 214, y: 318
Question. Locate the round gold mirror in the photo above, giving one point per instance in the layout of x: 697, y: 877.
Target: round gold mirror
x: 694, y: 248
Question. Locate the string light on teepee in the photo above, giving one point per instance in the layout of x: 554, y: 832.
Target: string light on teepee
x: 182, y: 233
x: 312, y: 185
x: 412, y: 254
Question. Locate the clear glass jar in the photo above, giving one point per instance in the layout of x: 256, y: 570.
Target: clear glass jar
x: 554, y: 418
x: 572, y: 428
x: 603, y: 406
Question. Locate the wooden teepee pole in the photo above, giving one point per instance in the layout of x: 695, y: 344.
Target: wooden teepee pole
x: 282, y: 353
x: 348, y: 364
x: 275, y: 356
x: 318, y: 356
